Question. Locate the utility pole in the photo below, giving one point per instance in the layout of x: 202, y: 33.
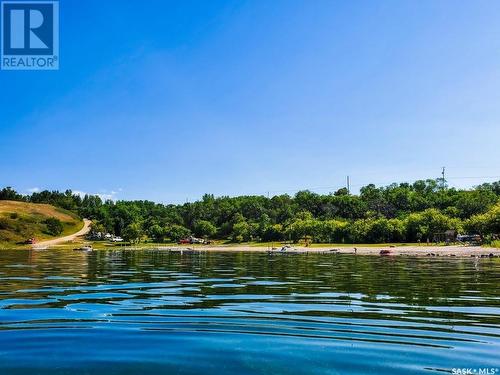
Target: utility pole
x: 348, y: 186
x: 443, y: 179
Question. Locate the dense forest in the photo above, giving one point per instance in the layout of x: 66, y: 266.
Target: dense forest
x: 396, y: 213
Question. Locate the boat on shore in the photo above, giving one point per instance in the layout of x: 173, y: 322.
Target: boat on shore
x: 84, y: 248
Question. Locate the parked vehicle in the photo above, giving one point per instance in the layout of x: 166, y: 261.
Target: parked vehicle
x: 192, y: 240
x: 30, y: 241
x: 470, y: 238
x: 197, y: 240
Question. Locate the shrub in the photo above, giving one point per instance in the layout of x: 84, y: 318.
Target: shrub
x: 4, y: 224
x: 488, y: 222
x: 495, y: 243
x: 54, y: 226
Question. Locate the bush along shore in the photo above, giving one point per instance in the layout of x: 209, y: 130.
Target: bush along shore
x: 420, y: 212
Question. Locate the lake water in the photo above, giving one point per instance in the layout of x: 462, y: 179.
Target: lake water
x: 154, y: 312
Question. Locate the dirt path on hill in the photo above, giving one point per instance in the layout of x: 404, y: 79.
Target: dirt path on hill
x: 56, y: 241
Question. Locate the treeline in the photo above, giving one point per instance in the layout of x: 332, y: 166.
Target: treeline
x: 404, y: 212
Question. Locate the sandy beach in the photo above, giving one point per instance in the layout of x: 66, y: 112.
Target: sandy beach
x: 424, y: 250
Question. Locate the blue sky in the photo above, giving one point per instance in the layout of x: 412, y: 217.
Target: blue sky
x: 167, y: 100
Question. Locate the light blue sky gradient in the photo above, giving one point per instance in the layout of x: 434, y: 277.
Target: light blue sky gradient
x: 167, y: 100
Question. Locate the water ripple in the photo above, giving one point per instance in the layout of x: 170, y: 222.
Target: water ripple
x: 214, y: 313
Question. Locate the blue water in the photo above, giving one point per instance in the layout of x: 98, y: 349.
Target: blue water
x: 154, y: 312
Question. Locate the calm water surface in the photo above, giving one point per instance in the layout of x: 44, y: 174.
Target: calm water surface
x: 153, y: 312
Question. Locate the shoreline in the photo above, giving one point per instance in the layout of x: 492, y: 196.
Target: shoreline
x: 370, y: 250
x: 420, y: 251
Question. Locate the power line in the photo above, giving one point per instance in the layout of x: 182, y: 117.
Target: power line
x: 350, y: 185
x: 472, y: 177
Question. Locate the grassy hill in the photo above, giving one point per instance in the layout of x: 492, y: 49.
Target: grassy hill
x: 20, y: 221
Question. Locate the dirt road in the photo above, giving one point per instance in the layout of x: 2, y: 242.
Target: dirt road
x: 71, y: 237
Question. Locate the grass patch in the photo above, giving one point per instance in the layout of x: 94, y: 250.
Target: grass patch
x: 495, y: 244
x: 322, y: 245
x: 20, y: 221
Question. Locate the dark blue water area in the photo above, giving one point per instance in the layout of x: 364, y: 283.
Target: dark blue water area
x: 153, y: 312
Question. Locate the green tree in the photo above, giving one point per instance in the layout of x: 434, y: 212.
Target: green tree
x: 157, y: 233
x: 241, y: 232
x: 272, y: 232
x: 133, y: 233
x: 424, y: 225
x: 342, y: 191
x: 204, y: 228
x: 10, y: 194
x: 475, y: 202
x: 485, y: 224
x: 397, y: 212
x: 176, y: 232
